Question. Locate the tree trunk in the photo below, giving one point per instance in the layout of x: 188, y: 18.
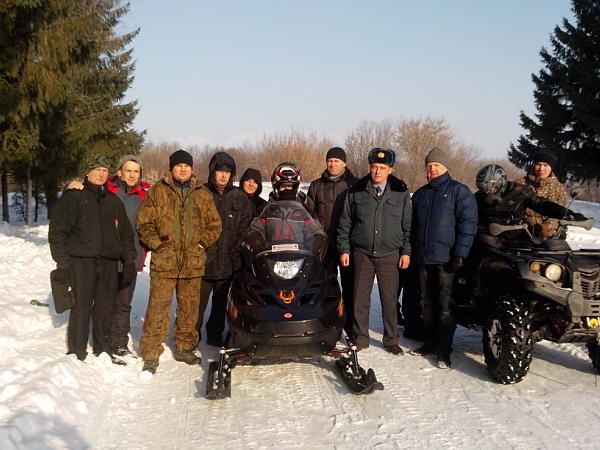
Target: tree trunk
x: 51, y: 196
x: 5, y: 211
x: 28, y: 202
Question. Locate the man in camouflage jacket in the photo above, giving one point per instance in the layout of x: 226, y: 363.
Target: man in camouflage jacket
x: 544, y: 184
x: 177, y: 221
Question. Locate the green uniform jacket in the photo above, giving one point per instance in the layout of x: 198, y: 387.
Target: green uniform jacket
x: 179, y: 228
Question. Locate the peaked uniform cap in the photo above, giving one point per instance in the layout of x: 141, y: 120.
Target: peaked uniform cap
x: 382, y: 156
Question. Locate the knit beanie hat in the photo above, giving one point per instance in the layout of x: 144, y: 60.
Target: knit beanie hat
x: 94, y: 161
x: 436, y: 156
x: 180, y: 157
x: 126, y: 158
x: 336, y: 152
x: 545, y: 157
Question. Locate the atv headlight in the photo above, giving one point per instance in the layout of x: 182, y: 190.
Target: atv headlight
x: 288, y: 269
x: 553, y: 272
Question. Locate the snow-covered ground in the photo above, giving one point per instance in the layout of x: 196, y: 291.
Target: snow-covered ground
x: 50, y: 400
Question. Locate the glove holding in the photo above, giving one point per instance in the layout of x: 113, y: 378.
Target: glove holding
x: 543, y: 230
x: 127, y: 275
x: 456, y: 263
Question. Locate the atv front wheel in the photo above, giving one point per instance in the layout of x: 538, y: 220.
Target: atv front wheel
x: 507, y: 341
x: 594, y: 352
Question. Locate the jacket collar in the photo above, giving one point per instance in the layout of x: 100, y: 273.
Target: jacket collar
x: 437, y: 182
x: 395, y: 184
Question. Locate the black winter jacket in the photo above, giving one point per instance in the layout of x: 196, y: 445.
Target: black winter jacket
x: 377, y: 227
x: 90, y: 223
x: 444, y: 221
x: 325, y: 199
x: 234, y: 210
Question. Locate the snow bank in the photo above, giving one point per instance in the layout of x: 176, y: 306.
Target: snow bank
x: 50, y: 400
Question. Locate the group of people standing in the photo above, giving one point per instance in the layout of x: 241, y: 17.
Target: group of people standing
x: 101, y: 229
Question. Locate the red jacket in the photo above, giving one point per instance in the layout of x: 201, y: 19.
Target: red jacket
x: 132, y: 199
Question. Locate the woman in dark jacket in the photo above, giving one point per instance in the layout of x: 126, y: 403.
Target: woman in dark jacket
x: 251, y: 184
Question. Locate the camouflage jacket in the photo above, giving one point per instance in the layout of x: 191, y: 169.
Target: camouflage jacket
x: 178, y: 229
x: 550, y: 189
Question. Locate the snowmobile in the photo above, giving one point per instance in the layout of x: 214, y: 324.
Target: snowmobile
x: 282, y: 306
x: 528, y: 290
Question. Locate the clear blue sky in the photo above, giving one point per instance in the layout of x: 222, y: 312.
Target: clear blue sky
x: 222, y: 72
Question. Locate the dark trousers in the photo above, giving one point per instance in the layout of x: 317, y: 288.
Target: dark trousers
x: 331, y: 264
x: 216, y: 321
x: 94, y: 282
x: 438, y: 306
x: 121, y: 324
x: 365, y: 269
x: 411, y: 305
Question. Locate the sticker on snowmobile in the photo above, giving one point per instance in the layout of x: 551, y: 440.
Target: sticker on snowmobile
x: 284, y: 247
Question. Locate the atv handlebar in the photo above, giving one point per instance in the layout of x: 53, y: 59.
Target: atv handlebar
x: 585, y: 224
x: 496, y: 229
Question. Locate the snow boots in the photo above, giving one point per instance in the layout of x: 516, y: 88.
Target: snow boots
x: 186, y: 356
x: 150, y: 366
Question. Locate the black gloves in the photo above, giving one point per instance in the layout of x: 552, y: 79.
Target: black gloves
x: 127, y: 275
x: 456, y: 263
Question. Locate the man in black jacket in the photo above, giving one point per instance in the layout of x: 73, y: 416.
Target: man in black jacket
x: 325, y: 199
x: 443, y: 228
x: 374, y: 234
x: 234, y: 210
x: 89, y: 233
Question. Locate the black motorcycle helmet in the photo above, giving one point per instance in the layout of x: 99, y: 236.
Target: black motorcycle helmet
x: 286, y: 174
x: 491, y: 179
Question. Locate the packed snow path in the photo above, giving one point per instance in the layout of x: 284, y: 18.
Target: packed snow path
x: 50, y: 400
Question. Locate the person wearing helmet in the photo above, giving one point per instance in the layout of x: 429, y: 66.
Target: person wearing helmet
x: 286, y: 183
x: 506, y: 203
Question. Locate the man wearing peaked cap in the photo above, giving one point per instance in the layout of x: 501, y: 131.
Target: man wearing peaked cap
x: 373, y: 235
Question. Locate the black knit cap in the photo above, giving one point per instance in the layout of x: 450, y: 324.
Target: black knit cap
x: 545, y: 157
x: 336, y: 152
x: 180, y: 157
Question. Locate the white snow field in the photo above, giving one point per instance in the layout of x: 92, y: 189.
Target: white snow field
x: 50, y: 400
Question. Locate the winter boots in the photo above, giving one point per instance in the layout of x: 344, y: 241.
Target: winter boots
x: 186, y: 356
x: 150, y: 365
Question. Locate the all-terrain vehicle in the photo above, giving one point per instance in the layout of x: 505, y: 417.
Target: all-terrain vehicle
x: 282, y: 305
x: 528, y: 290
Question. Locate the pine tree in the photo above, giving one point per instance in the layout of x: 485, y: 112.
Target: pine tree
x: 567, y: 99
x: 64, y: 71
x: 93, y: 117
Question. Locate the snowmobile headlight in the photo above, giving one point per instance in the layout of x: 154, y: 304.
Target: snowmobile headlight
x: 288, y: 269
x: 553, y: 272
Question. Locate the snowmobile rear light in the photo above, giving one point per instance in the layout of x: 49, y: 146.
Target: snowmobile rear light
x: 553, y: 272
x: 288, y: 269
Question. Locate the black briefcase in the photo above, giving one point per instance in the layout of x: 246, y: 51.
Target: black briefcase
x: 61, y: 293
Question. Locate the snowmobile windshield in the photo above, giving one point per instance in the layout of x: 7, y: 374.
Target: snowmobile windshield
x: 285, y: 226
